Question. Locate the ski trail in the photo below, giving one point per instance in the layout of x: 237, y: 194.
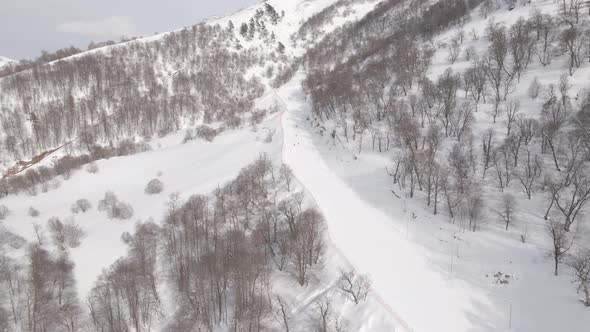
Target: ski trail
x: 402, y: 277
x: 397, y: 318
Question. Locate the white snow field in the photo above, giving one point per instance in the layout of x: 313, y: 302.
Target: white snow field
x: 4, y: 61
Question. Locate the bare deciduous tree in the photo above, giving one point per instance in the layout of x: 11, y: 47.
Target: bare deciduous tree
x: 529, y: 172
x: 562, y: 242
x: 474, y: 206
x: 506, y: 209
x: 286, y: 175
x: 580, y: 262
x: 355, y: 287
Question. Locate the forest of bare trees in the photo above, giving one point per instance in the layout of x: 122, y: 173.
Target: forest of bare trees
x: 215, y: 253
x: 134, y: 89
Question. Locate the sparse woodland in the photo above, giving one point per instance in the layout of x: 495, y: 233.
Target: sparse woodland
x: 370, y: 86
x: 135, y: 89
x: 215, y: 253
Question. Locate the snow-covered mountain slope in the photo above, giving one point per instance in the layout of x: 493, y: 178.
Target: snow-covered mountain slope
x: 195, y: 167
x: 375, y: 107
x: 5, y: 61
x: 477, y: 273
x: 186, y: 164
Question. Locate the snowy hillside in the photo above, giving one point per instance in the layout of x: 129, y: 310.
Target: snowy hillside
x: 305, y: 165
x: 5, y: 61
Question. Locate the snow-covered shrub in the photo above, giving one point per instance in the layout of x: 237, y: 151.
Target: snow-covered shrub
x: 189, y: 135
x: 128, y: 147
x: 258, y: 116
x: 92, y: 168
x: 155, y: 186
x: 4, y: 212
x: 9, y: 239
x: 33, y: 212
x: 535, y: 88
x: 207, y: 133
x: 81, y: 206
x: 114, y: 208
x: 65, y: 234
x: 55, y: 183
x: 66, y: 165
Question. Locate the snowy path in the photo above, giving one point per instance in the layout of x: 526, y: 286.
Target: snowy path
x: 420, y: 298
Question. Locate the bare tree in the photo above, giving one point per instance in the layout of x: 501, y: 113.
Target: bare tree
x: 546, y: 33
x: 571, y: 202
x: 572, y: 40
x: 462, y: 120
x: 454, y: 50
x: 580, y: 262
x: 512, y: 109
x: 506, y: 209
x: 307, y: 243
x: 489, y: 150
x: 474, y: 207
x: 475, y: 82
x: 282, y: 313
x: 504, y: 166
x: 354, y: 286
x: 562, y: 242
x: 448, y: 84
x: 528, y: 173
x: 286, y: 175
x: 323, y: 308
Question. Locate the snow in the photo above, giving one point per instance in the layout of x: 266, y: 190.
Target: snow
x: 5, y: 61
x: 428, y: 273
